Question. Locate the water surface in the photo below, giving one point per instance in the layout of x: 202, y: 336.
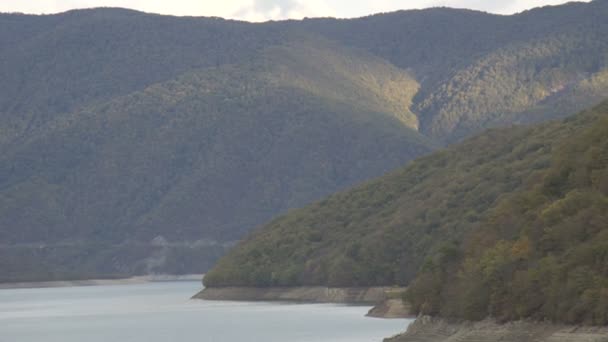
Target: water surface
x: 157, y: 312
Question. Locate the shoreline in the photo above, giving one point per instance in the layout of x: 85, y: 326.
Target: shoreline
x: 383, y: 300
x: 97, y: 282
x: 430, y: 329
x: 305, y: 294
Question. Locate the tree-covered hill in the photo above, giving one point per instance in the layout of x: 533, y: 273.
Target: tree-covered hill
x: 206, y: 156
x: 137, y: 143
x: 510, y: 224
x: 60, y: 63
x: 541, y: 252
x: 479, y: 70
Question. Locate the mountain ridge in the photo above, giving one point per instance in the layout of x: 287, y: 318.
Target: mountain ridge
x: 117, y: 126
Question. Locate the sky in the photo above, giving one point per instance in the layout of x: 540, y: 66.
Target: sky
x: 262, y: 10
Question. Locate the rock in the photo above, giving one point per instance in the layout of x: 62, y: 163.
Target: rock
x: 316, y: 294
x: 391, y: 308
x: 427, y: 329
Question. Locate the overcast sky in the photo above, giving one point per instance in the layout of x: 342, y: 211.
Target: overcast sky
x: 260, y: 10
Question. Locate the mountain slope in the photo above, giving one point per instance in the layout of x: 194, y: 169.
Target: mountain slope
x: 479, y: 70
x: 61, y: 63
x: 144, y: 143
x: 511, y: 83
x: 419, y: 218
x: 471, y: 65
x: 540, y: 252
x: 200, y: 159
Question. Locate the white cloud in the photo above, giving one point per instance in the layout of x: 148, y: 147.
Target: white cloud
x: 261, y: 10
x: 173, y: 7
x: 520, y: 5
x: 494, y: 6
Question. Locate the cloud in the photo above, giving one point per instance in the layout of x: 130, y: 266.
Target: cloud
x: 255, y: 10
x: 262, y: 10
x: 498, y: 7
x: 514, y: 6
x: 221, y: 8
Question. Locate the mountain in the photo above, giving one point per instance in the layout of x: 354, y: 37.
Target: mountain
x: 134, y: 143
x: 510, y: 224
x: 540, y: 252
x: 202, y: 158
x: 479, y: 70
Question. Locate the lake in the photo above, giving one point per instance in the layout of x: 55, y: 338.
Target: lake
x: 162, y: 311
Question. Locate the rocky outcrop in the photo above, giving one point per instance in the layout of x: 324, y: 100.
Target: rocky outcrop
x: 315, y: 294
x: 427, y: 329
x: 391, y: 308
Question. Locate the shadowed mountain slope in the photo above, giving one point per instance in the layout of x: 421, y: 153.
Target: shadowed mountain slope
x: 210, y: 154
x: 142, y: 143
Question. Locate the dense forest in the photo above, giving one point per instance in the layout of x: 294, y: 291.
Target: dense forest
x: 541, y: 252
x: 133, y: 143
x: 509, y: 224
x: 200, y: 159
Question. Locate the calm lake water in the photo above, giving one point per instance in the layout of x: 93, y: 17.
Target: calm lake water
x: 163, y: 312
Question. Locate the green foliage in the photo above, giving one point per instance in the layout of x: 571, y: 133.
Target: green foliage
x: 511, y: 224
x: 101, y: 260
x: 119, y: 127
x: 210, y: 154
x: 400, y: 221
x: 518, y: 83
x: 55, y: 65
x: 478, y: 70
x: 543, y: 258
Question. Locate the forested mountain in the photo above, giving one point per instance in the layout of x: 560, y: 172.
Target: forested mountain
x: 511, y: 224
x: 540, y: 252
x: 134, y: 143
x: 200, y: 159
x: 478, y: 70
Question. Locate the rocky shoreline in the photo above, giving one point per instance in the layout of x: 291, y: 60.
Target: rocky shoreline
x: 383, y: 298
x: 391, y: 308
x: 312, y: 294
x: 427, y: 329
x: 387, y: 304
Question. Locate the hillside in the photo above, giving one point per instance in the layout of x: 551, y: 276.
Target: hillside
x: 494, y: 226
x: 540, y: 252
x: 58, y: 64
x: 198, y: 160
x: 479, y: 70
x: 133, y: 143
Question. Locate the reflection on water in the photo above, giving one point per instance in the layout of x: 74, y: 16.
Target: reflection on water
x: 163, y: 312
